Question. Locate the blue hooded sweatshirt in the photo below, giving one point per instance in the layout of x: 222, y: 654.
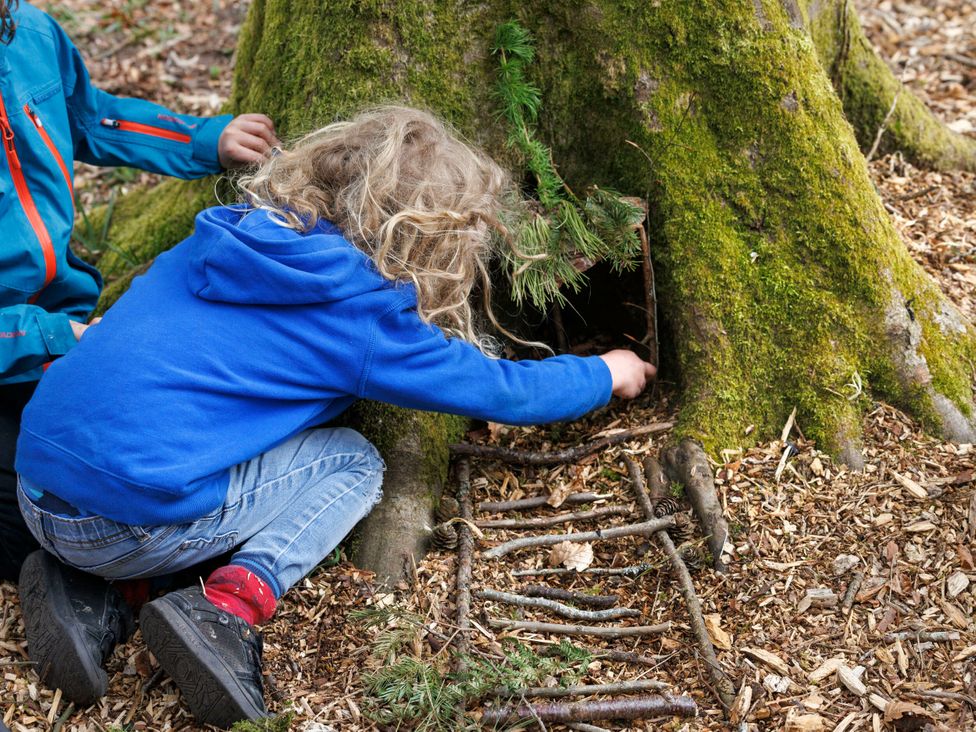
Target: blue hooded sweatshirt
x: 50, y: 116
x: 241, y: 336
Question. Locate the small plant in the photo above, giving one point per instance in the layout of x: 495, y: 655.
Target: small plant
x: 280, y: 723
x: 407, y: 692
x: 92, y: 238
x: 559, y: 235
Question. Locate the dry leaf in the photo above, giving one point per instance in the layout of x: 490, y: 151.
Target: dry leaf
x: 907, y: 716
x: 572, y: 555
x: 558, y: 494
x: 713, y: 624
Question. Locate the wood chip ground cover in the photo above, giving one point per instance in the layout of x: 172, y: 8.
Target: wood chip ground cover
x: 849, y: 600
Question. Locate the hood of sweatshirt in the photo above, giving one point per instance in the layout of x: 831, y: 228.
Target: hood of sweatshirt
x: 250, y: 257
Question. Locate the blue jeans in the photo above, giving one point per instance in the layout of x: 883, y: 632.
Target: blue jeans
x: 285, y: 510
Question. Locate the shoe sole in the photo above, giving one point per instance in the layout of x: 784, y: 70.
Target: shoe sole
x: 55, y: 643
x: 209, y: 688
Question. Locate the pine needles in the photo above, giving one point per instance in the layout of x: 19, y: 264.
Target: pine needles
x: 558, y: 235
x: 407, y: 692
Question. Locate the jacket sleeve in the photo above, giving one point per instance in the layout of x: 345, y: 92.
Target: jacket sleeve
x: 109, y: 130
x: 414, y: 365
x: 30, y: 337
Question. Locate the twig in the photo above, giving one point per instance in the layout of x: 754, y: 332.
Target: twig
x: 964, y: 60
x: 556, y: 692
x: 947, y: 695
x: 584, y: 727
x: 917, y: 194
x: 608, y: 655
x: 851, y: 592
x: 524, y: 504
x: 569, y: 455
x: 65, y: 715
x: 884, y: 123
x: 645, y: 529
x: 584, y: 711
x: 594, y: 630
x: 631, y: 571
x: 557, y: 607
x: 934, y: 636
x: 723, y: 685
x: 650, y: 291
x: 580, y: 598
x: 465, y: 555
x: 542, y: 522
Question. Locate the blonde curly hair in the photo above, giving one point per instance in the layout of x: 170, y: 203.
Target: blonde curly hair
x: 405, y: 190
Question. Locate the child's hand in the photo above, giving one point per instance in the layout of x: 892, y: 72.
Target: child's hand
x: 248, y: 138
x: 79, y: 328
x: 630, y: 374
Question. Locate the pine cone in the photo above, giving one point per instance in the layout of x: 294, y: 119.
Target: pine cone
x: 683, y: 529
x: 447, y: 508
x: 444, y: 537
x: 666, y: 506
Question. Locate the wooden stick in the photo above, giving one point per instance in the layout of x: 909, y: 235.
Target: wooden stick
x: 557, y: 607
x: 617, y: 656
x: 542, y: 522
x: 556, y: 692
x: 722, y: 683
x: 569, y: 455
x: 524, y: 504
x: 594, y: 630
x: 465, y: 556
x: 650, y: 292
x: 645, y: 529
x: 853, y: 586
x: 934, y: 636
x: 632, y: 571
x: 584, y: 727
x: 585, y: 711
x: 579, y: 598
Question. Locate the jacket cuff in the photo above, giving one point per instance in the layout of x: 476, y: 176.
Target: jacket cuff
x: 601, y: 377
x: 56, y: 331
x: 205, y: 141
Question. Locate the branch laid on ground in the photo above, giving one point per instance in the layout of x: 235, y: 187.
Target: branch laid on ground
x: 586, y: 711
x: 569, y: 455
x: 608, y: 655
x: 594, y: 630
x: 645, y: 529
x: 579, y: 598
x: 584, y: 727
x: 686, y: 463
x: 922, y: 636
x: 525, y: 504
x: 656, y: 480
x: 465, y: 556
x: 556, y: 692
x: 632, y: 571
x: 855, y: 584
x: 543, y: 522
x: 557, y: 607
x: 722, y: 683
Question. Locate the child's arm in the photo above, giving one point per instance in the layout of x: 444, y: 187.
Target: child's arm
x: 414, y: 365
x: 30, y: 337
x: 109, y: 130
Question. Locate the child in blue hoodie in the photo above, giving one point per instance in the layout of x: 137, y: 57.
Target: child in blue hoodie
x: 346, y: 274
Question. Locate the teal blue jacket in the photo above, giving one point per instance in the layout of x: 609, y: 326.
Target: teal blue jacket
x: 50, y: 116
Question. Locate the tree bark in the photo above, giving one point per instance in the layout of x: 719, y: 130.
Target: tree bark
x: 780, y: 276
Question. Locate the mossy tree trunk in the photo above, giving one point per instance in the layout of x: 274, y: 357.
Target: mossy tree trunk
x: 781, y: 278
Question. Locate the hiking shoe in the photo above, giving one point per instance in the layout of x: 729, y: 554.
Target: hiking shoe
x: 74, y: 621
x: 213, y: 656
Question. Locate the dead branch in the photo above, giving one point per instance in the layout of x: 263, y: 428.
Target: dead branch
x: 579, y: 598
x: 584, y: 727
x: 608, y: 655
x: 632, y: 571
x: 569, y: 455
x: 656, y: 480
x: 687, y: 464
x: 525, y: 504
x: 722, y: 683
x: 584, y: 711
x: 557, y: 607
x: 853, y: 586
x: 465, y: 556
x: 594, y: 630
x: 645, y: 529
x: 650, y: 292
x: 922, y: 636
x: 557, y: 692
x: 542, y: 522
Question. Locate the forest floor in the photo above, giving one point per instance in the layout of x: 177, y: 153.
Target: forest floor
x: 906, y: 524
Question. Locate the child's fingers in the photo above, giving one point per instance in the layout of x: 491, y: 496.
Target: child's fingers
x: 253, y: 142
x: 650, y: 370
x: 241, y: 154
x: 260, y: 128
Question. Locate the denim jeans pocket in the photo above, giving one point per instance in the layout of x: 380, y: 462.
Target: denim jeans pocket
x: 194, y: 550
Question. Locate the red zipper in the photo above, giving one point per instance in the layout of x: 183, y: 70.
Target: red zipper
x: 26, y: 200
x: 39, y: 126
x: 121, y: 124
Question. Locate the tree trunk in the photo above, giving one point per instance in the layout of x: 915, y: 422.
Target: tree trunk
x: 782, y: 280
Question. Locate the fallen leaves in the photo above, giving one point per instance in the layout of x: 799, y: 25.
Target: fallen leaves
x: 572, y: 555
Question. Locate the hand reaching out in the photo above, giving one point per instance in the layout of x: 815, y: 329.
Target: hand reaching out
x: 630, y: 374
x: 247, y: 139
x: 79, y: 328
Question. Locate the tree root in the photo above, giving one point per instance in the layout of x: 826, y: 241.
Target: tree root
x: 868, y: 89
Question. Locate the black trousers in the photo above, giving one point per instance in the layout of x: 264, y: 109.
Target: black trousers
x: 16, y: 542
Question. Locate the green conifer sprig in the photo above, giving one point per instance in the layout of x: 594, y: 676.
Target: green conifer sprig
x: 554, y: 233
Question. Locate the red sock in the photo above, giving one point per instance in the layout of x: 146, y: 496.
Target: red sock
x: 241, y: 593
x: 135, y: 592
